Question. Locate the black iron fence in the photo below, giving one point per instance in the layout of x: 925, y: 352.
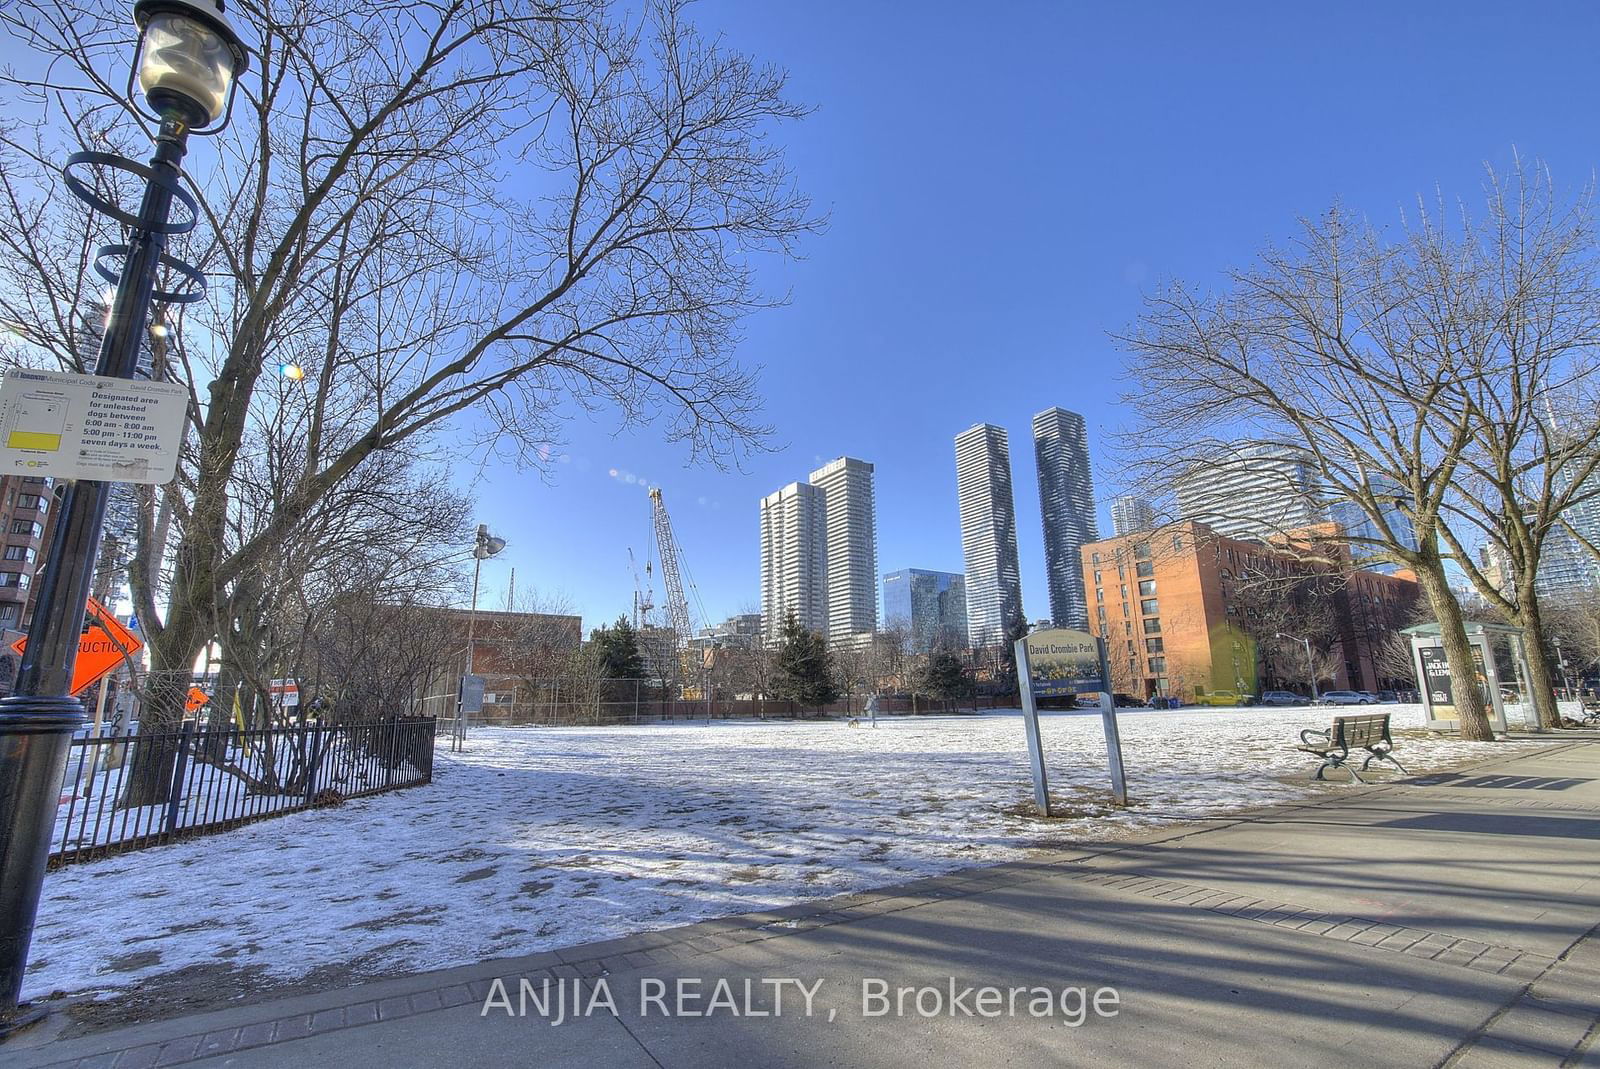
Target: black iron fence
x: 126, y: 792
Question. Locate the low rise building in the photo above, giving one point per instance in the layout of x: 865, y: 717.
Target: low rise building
x: 1186, y: 610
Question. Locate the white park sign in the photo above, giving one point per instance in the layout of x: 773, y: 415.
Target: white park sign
x: 90, y: 426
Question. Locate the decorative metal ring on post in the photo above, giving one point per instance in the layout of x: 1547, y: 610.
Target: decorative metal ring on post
x: 189, y: 296
x: 85, y: 193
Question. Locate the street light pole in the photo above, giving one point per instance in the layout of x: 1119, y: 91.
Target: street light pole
x: 483, y: 548
x: 1311, y: 669
x: 188, y: 58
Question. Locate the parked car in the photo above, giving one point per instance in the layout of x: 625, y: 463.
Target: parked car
x: 1347, y: 697
x: 1222, y: 697
x: 1388, y: 696
x: 1127, y: 701
x: 1282, y: 697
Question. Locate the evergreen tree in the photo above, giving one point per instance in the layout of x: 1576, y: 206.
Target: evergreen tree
x: 804, y: 670
x: 943, y: 677
x: 617, y: 649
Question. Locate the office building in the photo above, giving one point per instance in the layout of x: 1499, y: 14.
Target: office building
x: 1131, y: 514
x: 1567, y: 568
x: 931, y: 606
x: 1366, y: 534
x: 851, y: 546
x: 1066, y: 507
x: 1252, y: 490
x: 988, y: 534
x: 794, y: 569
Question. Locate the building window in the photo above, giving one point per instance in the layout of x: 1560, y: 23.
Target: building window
x: 1152, y: 626
x: 1097, y: 579
x: 30, y: 501
x: 1144, y: 569
x: 1158, y: 665
x: 1094, y: 558
x: 9, y: 613
x: 1099, y: 595
x: 19, y: 553
x: 1124, y: 591
x: 1150, y: 607
x: 1141, y: 551
x: 27, y: 527
x: 16, y: 579
x: 1147, y: 587
x: 1127, y: 627
x: 1153, y: 645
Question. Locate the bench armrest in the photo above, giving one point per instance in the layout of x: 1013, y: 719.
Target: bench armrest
x: 1323, y: 737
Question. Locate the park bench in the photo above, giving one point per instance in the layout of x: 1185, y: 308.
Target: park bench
x: 1589, y: 712
x: 1369, y: 732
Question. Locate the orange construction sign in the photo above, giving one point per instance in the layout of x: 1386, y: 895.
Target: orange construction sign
x: 104, y: 644
x: 197, y: 700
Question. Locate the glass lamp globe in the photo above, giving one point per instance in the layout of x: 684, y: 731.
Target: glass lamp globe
x: 189, y: 57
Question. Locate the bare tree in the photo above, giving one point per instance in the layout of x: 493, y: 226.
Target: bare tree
x: 1530, y: 380
x: 538, y: 643
x: 1349, y: 350
x: 518, y: 209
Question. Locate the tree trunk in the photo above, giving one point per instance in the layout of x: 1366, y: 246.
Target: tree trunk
x: 1540, y: 681
x: 172, y: 654
x: 1470, y: 714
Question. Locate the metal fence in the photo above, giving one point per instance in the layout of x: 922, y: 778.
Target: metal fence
x: 127, y: 792
x: 637, y: 705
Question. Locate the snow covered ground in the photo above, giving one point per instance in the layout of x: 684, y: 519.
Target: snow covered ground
x: 545, y: 837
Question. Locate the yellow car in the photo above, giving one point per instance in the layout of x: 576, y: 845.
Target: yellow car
x: 1222, y: 697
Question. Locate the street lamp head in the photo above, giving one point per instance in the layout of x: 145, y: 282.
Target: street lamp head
x: 189, y: 58
x: 488, y: 545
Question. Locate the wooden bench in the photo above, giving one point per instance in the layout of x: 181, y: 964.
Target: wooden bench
x: 1369, y: 732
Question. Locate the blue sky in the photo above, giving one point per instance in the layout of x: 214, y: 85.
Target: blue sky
x: 1002, y: 184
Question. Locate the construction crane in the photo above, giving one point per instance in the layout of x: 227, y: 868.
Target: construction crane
x: 643, y: 595
x: 667, y: 547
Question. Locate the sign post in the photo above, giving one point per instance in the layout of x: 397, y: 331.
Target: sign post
x: 1030, y: 725
x: 1059, y: 663
x: 1108, y: 720
x: 469, y: 702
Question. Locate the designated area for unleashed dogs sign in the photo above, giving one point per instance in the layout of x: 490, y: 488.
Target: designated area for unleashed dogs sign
x: 90, y: 426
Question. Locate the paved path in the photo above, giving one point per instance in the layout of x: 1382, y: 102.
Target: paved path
x: 1443, y: 921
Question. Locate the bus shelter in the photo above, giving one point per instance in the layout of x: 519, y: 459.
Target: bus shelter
x: 1487, y: 639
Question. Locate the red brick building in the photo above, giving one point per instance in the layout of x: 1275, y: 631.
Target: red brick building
x: 1180, y: 609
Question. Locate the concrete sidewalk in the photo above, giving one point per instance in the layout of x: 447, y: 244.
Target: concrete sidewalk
x: 1440, y: 921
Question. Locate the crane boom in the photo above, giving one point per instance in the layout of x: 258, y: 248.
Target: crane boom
x: 667, y: 546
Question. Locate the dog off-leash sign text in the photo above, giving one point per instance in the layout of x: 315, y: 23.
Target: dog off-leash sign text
x: 1058, y: 663
x: 90, y: 426
x: 103, y: 645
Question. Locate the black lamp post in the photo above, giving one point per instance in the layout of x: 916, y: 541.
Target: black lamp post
x: 188, y: 59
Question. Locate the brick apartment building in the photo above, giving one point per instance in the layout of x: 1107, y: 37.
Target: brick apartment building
x: 1177, y: 608
x: 506, y: 648
x: 25, y: 502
